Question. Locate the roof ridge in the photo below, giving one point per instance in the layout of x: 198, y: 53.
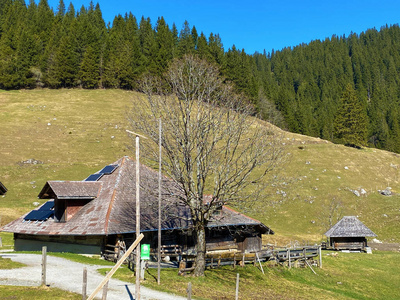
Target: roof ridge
x: 110, y: 205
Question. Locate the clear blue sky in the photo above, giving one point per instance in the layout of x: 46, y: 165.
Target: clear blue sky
x: 262, y: 24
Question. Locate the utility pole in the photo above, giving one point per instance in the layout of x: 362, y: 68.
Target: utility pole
x: 137, y: 273
x: 137, y: 289
x: 159, y: 208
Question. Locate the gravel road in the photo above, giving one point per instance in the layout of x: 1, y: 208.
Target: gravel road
x: 67, y: 275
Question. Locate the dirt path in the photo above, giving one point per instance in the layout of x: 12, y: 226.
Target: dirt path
x: 67, y: 275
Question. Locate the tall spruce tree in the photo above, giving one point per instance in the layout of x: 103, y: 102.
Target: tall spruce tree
x: 351, y: 120
x: 89, y: 69
x: 165, y: 46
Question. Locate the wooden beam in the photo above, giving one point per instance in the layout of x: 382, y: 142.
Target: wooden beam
x: 310, y: 267
x: 117, y: 265
x: 137, y: 134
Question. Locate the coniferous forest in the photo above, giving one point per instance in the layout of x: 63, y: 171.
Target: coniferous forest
x: 344, y: 89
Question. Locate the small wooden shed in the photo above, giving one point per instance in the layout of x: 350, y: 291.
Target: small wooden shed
x: 349, y: 234
x: 3, y: 189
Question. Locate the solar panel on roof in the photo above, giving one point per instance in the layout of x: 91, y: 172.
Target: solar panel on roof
x: 108, y: 169
x: 47, y: 206
x: 94, y: 177
x: 39, y: 215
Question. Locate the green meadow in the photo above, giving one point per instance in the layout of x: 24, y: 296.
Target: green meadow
x: 68, y: 134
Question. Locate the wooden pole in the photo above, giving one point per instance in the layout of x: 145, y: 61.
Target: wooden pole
x: 237, y: 286
x: 189, y: 291
x: 288, y: 257
x: 159, y: 208
x: 137, y: 288
x: 259, y: 261
x: 84, y: 284
x: 117, y: 265
x: 105, y: 290
x: 44, y: 264
x: 320, y: 256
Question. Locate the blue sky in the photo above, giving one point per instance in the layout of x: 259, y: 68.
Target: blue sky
x: 262, y: 24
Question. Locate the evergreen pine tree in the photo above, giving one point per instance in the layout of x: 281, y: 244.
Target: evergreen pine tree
x: 202, y: 48
x: 186, y: 43
x: 89, y: 69
x: 351, y: 120
x: 165, y: 46
x: 148, y: 45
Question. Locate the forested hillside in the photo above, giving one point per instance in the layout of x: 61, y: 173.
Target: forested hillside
x: 343, y: 89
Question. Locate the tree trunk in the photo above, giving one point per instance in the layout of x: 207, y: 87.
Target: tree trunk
x: 200, y: 261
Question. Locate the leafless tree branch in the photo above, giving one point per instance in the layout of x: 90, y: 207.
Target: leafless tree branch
x: 211, y: 143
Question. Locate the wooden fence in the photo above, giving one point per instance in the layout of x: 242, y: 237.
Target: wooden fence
x: 290, y: 257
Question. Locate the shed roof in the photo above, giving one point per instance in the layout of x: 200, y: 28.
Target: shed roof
x: 349, y: 226
x: 113, y: 209
x: 3, y: 189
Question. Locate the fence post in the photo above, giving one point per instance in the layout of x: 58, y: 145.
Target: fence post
x: 237, y: 286
x: 142, y: 268
x: 234, y: 260
x: 44, y: 264
x: 84, y: 285
x: 320, y: 256
x: 189, y: 291
x: 288, y: 257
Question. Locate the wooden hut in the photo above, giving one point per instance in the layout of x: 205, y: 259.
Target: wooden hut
x: 349, y: 234
x: 3, y: 189
x: 86, y: 216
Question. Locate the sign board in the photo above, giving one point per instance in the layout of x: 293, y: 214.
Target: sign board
x: 145, y: 251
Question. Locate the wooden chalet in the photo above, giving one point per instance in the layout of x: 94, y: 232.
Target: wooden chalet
x: 349, y: 234
x: 3, y: 189
x: 85, y: 216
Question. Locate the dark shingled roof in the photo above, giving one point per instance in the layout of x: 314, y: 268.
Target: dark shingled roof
x: 349, y: 226
x: 70, y: 190
x: 3, y: 189
x: 113, y: 209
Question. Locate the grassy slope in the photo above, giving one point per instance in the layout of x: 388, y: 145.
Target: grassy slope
x: 77, y: 132
x: 79, y: 141
x: 338, y: 279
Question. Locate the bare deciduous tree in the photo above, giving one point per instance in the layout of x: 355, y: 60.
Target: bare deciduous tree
x: 331, y: 213
x: 211, y: 143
